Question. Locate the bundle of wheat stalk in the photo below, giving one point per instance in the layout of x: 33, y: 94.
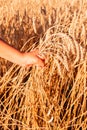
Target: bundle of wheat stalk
x: 53, y: 97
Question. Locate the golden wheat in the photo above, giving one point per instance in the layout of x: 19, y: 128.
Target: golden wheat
x: 53, y: 97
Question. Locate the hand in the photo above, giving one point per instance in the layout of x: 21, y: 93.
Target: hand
x: 23, y: 59
x: 33, y: 58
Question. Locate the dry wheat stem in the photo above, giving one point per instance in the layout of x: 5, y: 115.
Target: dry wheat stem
x: 42, y: 98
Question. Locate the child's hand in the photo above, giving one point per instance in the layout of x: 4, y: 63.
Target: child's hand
x: 32, y: 58
x: 23, y: 59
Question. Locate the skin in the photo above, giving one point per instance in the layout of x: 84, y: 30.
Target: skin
x: 23, y: 59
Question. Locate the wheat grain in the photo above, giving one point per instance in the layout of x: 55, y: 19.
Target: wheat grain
x: 53, y: 97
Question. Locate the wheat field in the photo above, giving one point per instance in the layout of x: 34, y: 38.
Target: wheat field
x: 53, y: 97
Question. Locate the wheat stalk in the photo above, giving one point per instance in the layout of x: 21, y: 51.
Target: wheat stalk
x: 53, y: 97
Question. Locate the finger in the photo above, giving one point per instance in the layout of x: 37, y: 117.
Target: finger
x: 40, y: 63
x: 43, y: 57
x: 36, y: 52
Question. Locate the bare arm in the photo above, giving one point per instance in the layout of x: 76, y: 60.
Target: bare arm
x: 24, y: 59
